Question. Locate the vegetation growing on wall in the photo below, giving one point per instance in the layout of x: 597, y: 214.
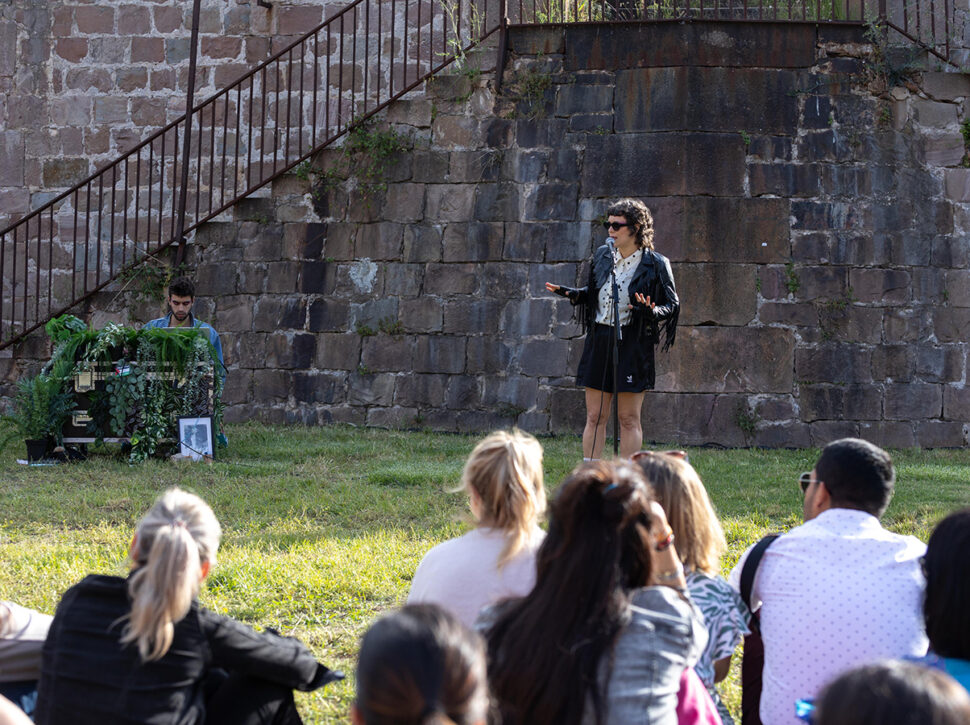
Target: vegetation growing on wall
x: 361, y: 162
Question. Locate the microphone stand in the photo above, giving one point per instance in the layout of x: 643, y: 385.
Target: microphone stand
x: 617, y: 336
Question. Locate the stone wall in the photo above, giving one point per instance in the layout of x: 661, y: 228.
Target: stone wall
x: 81, y: 82
x: 816, y: 219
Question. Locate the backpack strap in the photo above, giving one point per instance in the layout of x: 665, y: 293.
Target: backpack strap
x: 750, y: 567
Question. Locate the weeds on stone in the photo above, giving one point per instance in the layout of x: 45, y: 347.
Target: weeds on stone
x: 792, y: 283
x: 509, y: 410
x: 965, y: 132
x: 527, y: 93
x: 746, y: 419
x: 363, y: 158
x: 365, y: 330
x: 148, y: 280
x: 884, y: 71
x: 391, y: 326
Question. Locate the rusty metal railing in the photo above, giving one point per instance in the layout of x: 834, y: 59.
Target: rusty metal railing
x: 271, y: 119
x: 928, y: 23
x: 303, y: 98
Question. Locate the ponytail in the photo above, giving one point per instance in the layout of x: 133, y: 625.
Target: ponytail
x: 505, y: 471
x: 173, y: 540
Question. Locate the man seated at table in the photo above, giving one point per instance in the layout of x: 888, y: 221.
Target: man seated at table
x: 181, y: 297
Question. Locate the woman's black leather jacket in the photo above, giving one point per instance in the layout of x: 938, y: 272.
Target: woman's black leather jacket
x: 653, y: 277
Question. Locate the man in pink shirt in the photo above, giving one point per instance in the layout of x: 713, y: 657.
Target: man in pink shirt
x: 839, y: 590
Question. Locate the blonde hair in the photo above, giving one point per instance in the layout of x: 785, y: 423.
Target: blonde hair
x: 172, y: 541
x: 697, y: 531
x: 505, y: 471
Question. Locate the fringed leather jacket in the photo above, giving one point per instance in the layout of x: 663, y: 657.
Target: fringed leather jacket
x: 653, y: 278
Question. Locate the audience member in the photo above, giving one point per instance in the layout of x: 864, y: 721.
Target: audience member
x: 142, y: 650
x: 22, y: 635
x: 700, y: 543
x: 503, y: 480
x: 839, y: 590
x: 608, y: 629
x: 894, y: 692
x: 420, y: 666
x: 947, y: 602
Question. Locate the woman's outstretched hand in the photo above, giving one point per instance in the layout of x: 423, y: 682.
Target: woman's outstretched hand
x: 552, y: 287
x: 640, y: 300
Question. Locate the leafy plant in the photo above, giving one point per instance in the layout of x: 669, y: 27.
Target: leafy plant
x: 41, y: 406
x: 151, y: 377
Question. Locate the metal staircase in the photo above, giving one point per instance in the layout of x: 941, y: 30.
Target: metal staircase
x: 303, y: 98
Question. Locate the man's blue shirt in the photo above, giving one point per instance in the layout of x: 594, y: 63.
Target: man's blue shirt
x: 213, y: 336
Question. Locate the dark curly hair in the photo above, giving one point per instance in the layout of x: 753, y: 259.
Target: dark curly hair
x: 181, y: 287
x: 636, y: 213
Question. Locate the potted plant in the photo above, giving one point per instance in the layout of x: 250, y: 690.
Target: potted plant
x: 41, y: 406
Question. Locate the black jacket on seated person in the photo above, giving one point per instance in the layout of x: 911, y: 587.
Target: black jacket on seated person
x: 89, y: 678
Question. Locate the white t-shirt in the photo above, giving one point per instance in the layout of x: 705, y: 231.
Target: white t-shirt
x: 21, y: 641
x: 836, y: 592
x: 462, y: 574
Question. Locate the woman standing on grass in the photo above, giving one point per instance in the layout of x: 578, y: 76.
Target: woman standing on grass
x: 647, y: 303
x: 700, y: 543
x: 496, y: 560
x: 142, y: 650
x: 608, y: 629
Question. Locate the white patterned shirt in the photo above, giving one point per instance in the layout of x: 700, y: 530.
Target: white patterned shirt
x: 624, y: 275
x: 836, y: 592
x: 726, y: 618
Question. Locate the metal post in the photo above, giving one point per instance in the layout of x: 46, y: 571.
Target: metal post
x: 503, y: 43
x: 187, y: 141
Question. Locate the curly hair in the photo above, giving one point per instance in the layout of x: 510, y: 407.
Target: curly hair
x: 636, y: 213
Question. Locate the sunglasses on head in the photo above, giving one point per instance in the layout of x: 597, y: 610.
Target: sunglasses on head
x: 615, y: 226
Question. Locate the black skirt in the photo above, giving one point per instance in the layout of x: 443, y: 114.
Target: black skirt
x: 636, y: 365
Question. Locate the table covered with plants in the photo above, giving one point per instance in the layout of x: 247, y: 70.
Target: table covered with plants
x: 118, y: 384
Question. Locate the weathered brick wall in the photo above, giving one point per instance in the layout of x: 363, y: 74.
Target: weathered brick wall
x: 817, y: 222
x: 83, y: 82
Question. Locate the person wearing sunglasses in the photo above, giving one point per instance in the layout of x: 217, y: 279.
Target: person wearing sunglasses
x: 839, y: 590
x: 648, y: 305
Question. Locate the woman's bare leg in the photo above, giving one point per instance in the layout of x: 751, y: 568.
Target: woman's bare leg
x: 631, y: 432
x: 597, y: 413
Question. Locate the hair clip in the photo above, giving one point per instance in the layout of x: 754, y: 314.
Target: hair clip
x: 178, y: 523
x: 609, y: 488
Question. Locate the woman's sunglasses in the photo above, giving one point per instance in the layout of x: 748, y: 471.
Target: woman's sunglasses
x: 615, y: 226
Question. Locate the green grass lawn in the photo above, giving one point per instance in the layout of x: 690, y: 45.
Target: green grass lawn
x: 325, y: 526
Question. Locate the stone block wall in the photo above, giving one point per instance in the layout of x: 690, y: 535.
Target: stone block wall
x: 83, y: 81
x: 816, y: 220
x: 817, y: 226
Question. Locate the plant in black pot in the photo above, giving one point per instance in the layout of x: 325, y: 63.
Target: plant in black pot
x: 41, y: 406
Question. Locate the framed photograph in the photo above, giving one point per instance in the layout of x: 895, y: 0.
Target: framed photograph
x: 195, y: 437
